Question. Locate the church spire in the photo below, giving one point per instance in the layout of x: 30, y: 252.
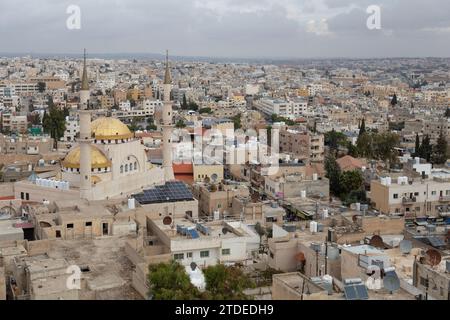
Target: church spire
x: 167, y: 77
x: 84, y: 79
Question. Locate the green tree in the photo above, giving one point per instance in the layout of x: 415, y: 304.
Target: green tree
x: 184, y: 104
x: 237, y: 121
x: 205, y: 110
x: 41, y: 86
x: 351, y: 181
x: 334, y: 139
x: 394, y: 100
x: 333, y: 173
x: 417, y: 146
x: 362, y: 127
x: 226, y: 283
x: 439, y: 155
x: 426, y: 149
x: 169, y: 281
x: 54, y: 123
x: 364, y: 145
x: 447, y: 112
x: 384, y: 146
x: 192, y: 106
x: 180, y: 124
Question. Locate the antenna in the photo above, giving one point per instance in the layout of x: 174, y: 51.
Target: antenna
x: 405, y: 246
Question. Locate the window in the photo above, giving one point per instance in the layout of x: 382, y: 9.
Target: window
x: 395, y: 195
x: 433, y: 193
x: 423, y: 281
x: 126, y: 167
x: 27, y: 196
x: 22, y: 195
x: 121, y: 169
x: 89, y: 224
x: 58, y: 233
x: 204, y: 254
x: 178, y: 256
x: 416, y: 194
x: 70, y: 226
x: 135, y: 166
x: 189, y: 255
x: 226, y: 252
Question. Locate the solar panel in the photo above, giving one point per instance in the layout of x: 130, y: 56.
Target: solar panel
x: 193, y: 233
x: 362, y: 292
x: 171, y: 191
x: 356, y: 292
x: 436, y: 242
x: 350, y: 293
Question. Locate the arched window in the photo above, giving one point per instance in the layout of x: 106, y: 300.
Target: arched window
x: 135, y: 166
x: 126, y: 167
x: 121, y: 169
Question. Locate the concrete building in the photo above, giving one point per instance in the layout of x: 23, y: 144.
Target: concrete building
x: 404, y: 196
x: 302, y: 145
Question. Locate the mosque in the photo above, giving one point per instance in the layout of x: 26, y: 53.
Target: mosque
x: 108, y: 161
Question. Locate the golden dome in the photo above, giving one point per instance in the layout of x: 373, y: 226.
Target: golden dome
x: 98, y: 159
x: 110, y: 129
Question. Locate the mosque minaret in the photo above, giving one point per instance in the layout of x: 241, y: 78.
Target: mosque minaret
x: 167, y: 124
x: 85, y: 139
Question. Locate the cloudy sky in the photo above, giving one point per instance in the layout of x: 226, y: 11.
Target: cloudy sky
x: 229, y: 28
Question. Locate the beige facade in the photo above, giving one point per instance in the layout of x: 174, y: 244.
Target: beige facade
x: 412, y: 198
x: 295, y: 286
x: 302, y: 145
x: 213, y: 172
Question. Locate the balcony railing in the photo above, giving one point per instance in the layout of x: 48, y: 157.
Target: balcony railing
x: 409, y: 200
x: 444, y: 198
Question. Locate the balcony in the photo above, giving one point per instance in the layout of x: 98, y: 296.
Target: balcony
x: 444, y: 198
x: 408, y: 200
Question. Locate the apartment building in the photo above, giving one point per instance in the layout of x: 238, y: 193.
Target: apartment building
x: 72, y: 128
x: 290, y: 109
x: 302, y: 145
x: 31, y: 145
x: 14, y: 123
x: 413, y: 197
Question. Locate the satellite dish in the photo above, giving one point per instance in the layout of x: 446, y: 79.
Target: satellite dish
x: 391, y: 282
x: 193, y: 266
x: 214, y: 177
x: 433, y: 257
x: 405, y: 246
x: 224, y: 230
x: 355, y: 218
x: 376, y: 242
x: 167, y: 220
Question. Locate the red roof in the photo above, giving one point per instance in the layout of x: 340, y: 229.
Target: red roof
x: 7, y: 198
x: 184, y: 168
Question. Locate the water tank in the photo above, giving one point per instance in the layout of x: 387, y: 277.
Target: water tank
x: 363, y: 169
x: 333, y: 253
x: 358, y: 206
x: 417, y: 159
x: 303, y: 193
x: 30, y: 167
x: 216, y: 215
x: 328, y: 283
x: 289, y: 227
x: 325, y: 214
x: 131, y: 203
x: 388, y: 181
x: 383, y: 181
x: 319, y: 227
x: 314, y: 176
x: 315, y: 246
x: 313, y: 226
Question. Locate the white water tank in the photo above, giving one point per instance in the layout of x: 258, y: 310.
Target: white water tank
x: 216, y: 215
x: 314, y: 176
x: 417, y: 159
x: 383, y: 181
x: 131, y: 203
x: 313, y: 227
x: 388, y: 181
x: 303, y: 193
x: 358, y: 206
x: 325, y: 214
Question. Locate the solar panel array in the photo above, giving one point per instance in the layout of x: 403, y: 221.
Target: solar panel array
x: 171, y: 191
x: 356, y: 292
